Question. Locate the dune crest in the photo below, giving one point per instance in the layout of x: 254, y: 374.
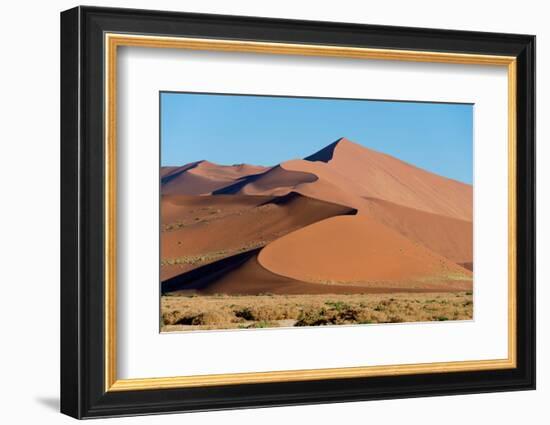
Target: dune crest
x: 203, y: 177
x: 342, y: 172
x: 385, y: 177
x: 275, y: 181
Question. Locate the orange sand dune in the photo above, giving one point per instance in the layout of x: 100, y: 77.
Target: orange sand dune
x: 330, y: 185
x: 346, y: 173
x: 385, y: 177
x: 243, y: 275
x: 346, y: 219
x: 203, y: 177
x: 239, y: 274
x: 449, y: 237
x: 356, y: 250
x: 276, y: 181
x: 229, y: 231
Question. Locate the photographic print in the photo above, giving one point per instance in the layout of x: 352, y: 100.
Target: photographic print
x: 296, y: 211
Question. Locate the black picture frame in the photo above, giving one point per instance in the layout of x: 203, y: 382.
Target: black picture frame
x: 83, y: 392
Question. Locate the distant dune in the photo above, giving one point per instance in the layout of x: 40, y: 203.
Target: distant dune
x: 203, y: 177
x: 345, y: 219
x: 276, y: 181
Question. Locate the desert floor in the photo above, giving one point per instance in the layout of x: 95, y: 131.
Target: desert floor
x: 203, y: 312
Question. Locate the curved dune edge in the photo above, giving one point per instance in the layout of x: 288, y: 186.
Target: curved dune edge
x: 242, y: 274
x: 359, y: 251
x: 276, y: 181
x: 203, y: 177
x: 330, y: 186
x: 233, y: 224
x: 343, y: 172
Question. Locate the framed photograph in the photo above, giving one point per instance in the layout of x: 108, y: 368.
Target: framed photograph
x: 261, y: 212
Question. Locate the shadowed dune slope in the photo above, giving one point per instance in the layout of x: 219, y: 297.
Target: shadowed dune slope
x: 359, y: 251
x: 385, y: 177
x: 241, y: 274
x: 449, y: 237
x: 276, y: 181
x: 203, y: 177
x: 227, y: 232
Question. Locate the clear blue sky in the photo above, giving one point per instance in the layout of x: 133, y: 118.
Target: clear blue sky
x: 264, y: 130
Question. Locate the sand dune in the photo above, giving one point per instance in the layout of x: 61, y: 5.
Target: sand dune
x: 233, y: 227
x: 358, y: 251
x: 449, y: 237
x: 329, y: 186
x: 346, y: 173
x: 384, y: 177
x: 203, y: 177
x: 242, y: 274
x: 346, y: 219
x: 276, y: 181
x: 239, y: 274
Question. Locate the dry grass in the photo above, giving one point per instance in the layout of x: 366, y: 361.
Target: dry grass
x: 205, y: 215
x: 210, y: 257
x: 194, y: 312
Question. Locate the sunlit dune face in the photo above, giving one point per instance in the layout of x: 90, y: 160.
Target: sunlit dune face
x: 353, y: 250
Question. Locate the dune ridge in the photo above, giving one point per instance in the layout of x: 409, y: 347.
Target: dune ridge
x: 346, y: 171
x: 203, y: 177
x: 275, y: 181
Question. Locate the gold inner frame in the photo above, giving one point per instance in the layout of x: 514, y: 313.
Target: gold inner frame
x: 113, y: 41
